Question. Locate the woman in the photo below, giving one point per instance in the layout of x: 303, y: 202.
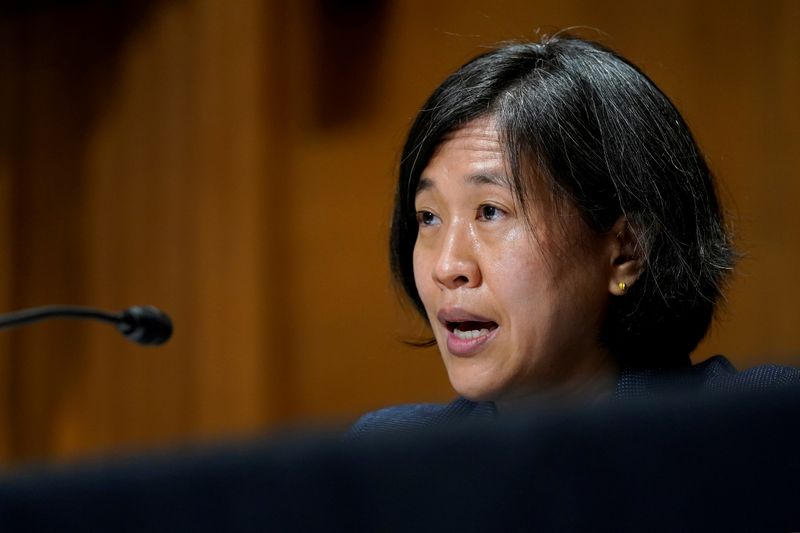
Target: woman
x: 558, y: 227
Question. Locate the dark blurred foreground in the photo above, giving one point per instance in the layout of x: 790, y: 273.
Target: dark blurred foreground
x: 677, y: 463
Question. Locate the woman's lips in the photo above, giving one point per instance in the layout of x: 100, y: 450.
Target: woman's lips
x: 468, y: 343
x: 456, y: 314
x: 467, y: 332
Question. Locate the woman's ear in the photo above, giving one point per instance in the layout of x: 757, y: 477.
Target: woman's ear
x: 626, y: 258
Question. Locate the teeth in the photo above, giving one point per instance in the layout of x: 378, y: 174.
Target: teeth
x: 471, y: 334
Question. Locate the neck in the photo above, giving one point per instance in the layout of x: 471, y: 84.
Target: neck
x: 581, y: 389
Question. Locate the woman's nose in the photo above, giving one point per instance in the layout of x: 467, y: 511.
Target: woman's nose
x: 457, y: 265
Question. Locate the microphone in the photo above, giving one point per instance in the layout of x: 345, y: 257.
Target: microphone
x: 143, y: 324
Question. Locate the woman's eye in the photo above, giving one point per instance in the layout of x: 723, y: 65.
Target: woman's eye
x: 489, y: 212
x: 426, y: 218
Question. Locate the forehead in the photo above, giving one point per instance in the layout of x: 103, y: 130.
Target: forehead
x: 478, y: 139
x: 480, y: 135
x: 473, y: 151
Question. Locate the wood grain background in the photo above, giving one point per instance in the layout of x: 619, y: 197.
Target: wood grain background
x: 232, y: 161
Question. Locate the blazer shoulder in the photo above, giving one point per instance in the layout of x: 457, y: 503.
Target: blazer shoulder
x: 422, y: 415
x: 714, y: 374
x: 398, y: 417
x: 719, y: 374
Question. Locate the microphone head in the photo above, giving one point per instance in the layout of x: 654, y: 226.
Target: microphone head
x: 145, y: 324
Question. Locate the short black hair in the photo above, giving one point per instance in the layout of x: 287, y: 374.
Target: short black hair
x: 603, y: 137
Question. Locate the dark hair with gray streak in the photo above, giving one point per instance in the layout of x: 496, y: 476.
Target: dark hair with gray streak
x: 600, y: 135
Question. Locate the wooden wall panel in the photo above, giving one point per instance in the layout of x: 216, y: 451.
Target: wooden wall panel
x: 141, y: 179
x: 234, y: 161
x: 8, y: 94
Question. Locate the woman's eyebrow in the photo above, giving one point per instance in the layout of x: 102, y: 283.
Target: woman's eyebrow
x: 490, y: 179
x: 475, y: 179
x: 424, y: 184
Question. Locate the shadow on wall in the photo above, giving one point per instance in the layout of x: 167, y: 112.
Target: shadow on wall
x: 348, y: 47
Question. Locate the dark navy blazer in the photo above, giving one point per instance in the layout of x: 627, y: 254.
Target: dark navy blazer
x: 716, y: 374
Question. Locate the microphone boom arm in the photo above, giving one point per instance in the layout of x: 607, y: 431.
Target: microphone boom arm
x: 142, y: 324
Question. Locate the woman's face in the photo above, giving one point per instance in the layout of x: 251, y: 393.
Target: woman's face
x: 512, y: 312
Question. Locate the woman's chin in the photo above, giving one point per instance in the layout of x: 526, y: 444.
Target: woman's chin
x: 474, y: 389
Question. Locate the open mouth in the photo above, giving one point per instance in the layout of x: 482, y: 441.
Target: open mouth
x: 470, y: 329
